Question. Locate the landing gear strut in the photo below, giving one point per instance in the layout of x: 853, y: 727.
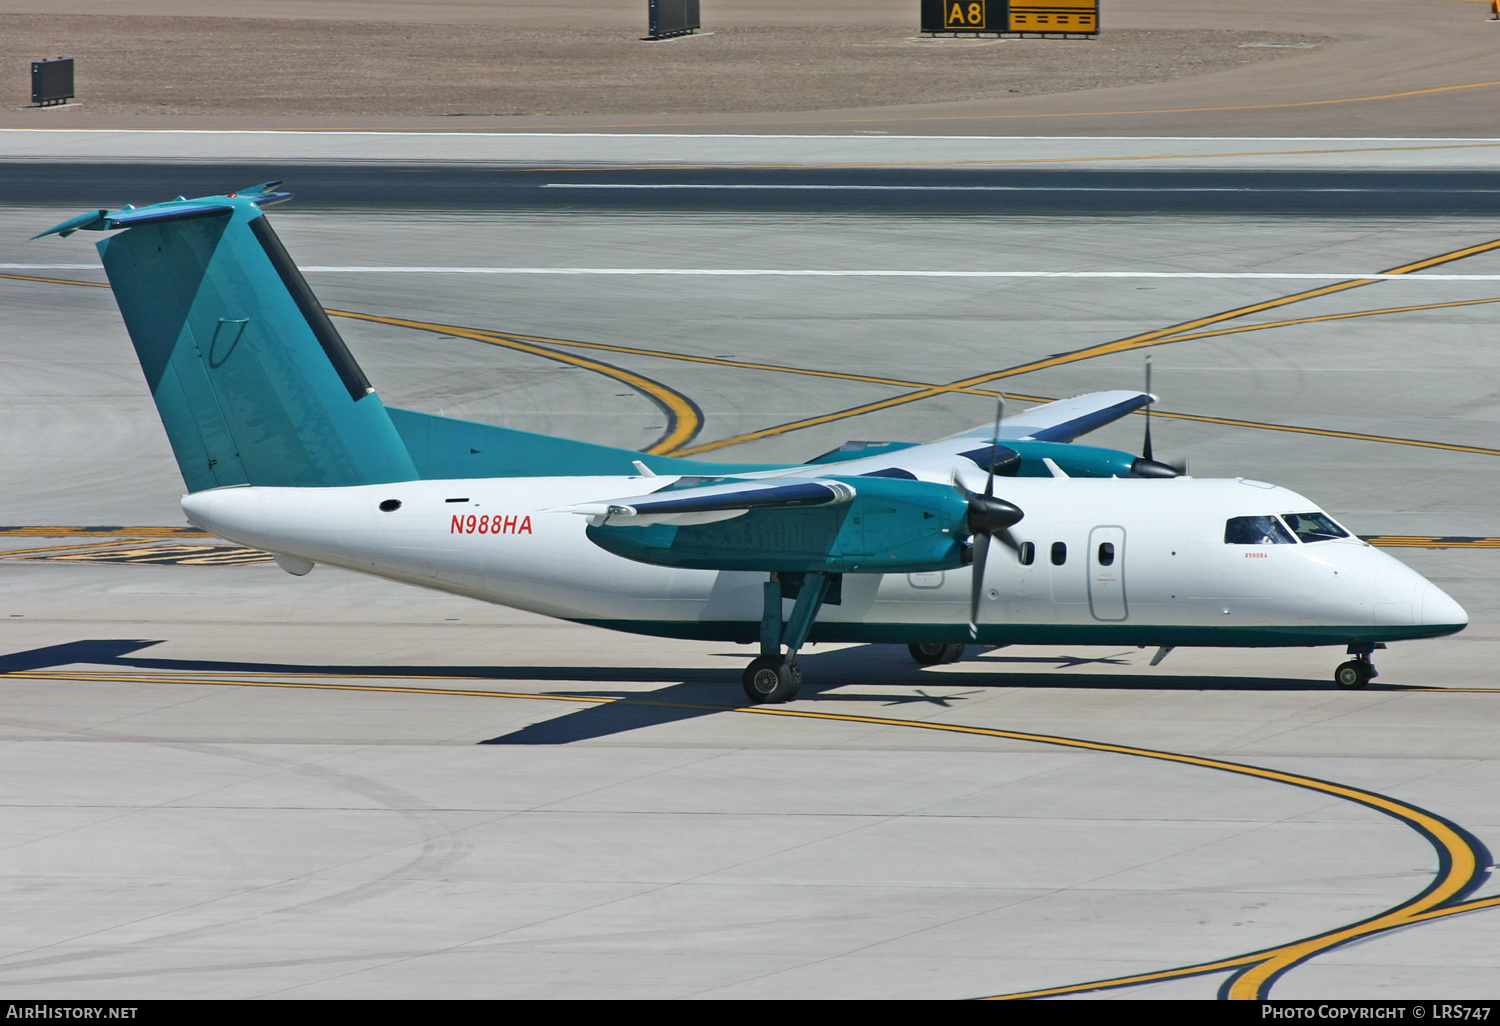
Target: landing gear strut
x: 1359, y: 671
x: 934, y: 653
x: 774, y: 677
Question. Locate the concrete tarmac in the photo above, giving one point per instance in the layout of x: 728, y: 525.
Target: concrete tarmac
x: 223, y: 781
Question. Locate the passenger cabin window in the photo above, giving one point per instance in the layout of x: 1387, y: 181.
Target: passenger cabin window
x: 1059, y: 553
x: 1314, y: 527
x: 1027, y: 555
x: 1257, y: 531
x: 1106, y: 553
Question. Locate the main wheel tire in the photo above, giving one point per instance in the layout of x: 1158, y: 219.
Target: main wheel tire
x: 770, y: 680
x: 934, y: 653
x: 1356, y: 673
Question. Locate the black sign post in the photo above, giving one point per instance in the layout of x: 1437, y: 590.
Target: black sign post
x: 52, y: 81
x: 668, y: 18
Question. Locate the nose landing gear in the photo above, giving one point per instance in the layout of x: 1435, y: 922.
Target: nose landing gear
x: 1359, y: 671
x: 935, y: 653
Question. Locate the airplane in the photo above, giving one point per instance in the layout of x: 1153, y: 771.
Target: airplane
x: 1010, y: 533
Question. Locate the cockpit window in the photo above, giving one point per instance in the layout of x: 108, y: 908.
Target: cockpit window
x: 1314, y: 527
x: 1257, y: 531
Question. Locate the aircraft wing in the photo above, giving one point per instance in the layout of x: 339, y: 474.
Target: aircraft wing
x: 1066, y: 419
x: 1041, y: 431
x: 708, y: 503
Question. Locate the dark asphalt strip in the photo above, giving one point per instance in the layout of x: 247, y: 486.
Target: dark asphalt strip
x: 889, y: 190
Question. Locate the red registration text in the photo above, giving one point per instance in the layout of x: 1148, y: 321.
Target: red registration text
x: 486, y: 524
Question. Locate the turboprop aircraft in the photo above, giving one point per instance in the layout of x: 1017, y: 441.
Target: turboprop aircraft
x: 1004, y: 534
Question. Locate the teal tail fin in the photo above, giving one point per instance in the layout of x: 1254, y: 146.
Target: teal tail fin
x: 254, y: 384
x: 252, y: 381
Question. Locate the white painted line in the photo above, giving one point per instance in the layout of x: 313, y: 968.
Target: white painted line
x: 563, y: 134
x: 996, y: 188
x: 751, y: 272
x: 790, y: 273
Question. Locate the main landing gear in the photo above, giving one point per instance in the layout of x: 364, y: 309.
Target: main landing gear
x: 1359, y: 671
x: 774, y: 677
x: 935, y: 653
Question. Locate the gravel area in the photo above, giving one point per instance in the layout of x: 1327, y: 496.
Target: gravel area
x: 223, y: 66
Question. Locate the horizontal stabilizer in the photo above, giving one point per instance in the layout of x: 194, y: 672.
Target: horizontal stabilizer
x: 177, y: 210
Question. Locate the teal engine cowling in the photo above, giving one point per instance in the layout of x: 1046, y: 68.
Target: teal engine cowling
x: 1084, y: 461
x: 890, y: 526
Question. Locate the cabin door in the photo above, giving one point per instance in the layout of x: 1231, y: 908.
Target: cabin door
x: 1107, y: 573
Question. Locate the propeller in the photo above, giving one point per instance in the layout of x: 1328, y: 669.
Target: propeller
x: 1146, y: 446
x: 1148, y: 465
x: 988, y: 518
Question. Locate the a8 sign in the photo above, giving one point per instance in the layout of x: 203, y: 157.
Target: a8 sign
x: 964, y: 14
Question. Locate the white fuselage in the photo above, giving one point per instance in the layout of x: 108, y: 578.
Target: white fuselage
x: 1173, y: 579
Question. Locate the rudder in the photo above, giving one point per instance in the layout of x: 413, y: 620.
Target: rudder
x: 252, y: 381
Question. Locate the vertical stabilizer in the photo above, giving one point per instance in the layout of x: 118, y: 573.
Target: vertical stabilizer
x: 253, y: 383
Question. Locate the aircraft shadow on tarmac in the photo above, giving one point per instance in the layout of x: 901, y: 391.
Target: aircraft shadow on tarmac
x: 699, y: 691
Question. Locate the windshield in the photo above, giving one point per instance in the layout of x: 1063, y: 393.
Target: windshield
x: 1314, y: 527
x: 1256, y: 531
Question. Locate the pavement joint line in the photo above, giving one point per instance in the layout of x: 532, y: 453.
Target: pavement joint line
x: 1463, y: 860
x: 844, y: 137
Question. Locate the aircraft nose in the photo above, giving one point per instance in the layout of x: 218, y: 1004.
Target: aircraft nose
x: 1439, y: 610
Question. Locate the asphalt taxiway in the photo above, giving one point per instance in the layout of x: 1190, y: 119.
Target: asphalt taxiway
x: 219, y: 780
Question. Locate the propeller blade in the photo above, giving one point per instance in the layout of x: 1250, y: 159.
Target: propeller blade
x: 981, y: 556
x: 989, y: 482
x: 1146, y: 448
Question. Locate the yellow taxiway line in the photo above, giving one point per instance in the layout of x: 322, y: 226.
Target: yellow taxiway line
x: 684, y: 419
x: 1161, y: 336
x: 1459, y: 870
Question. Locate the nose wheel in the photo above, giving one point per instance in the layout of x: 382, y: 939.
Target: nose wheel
x: 1356, y: 673
x: 935, y: 653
